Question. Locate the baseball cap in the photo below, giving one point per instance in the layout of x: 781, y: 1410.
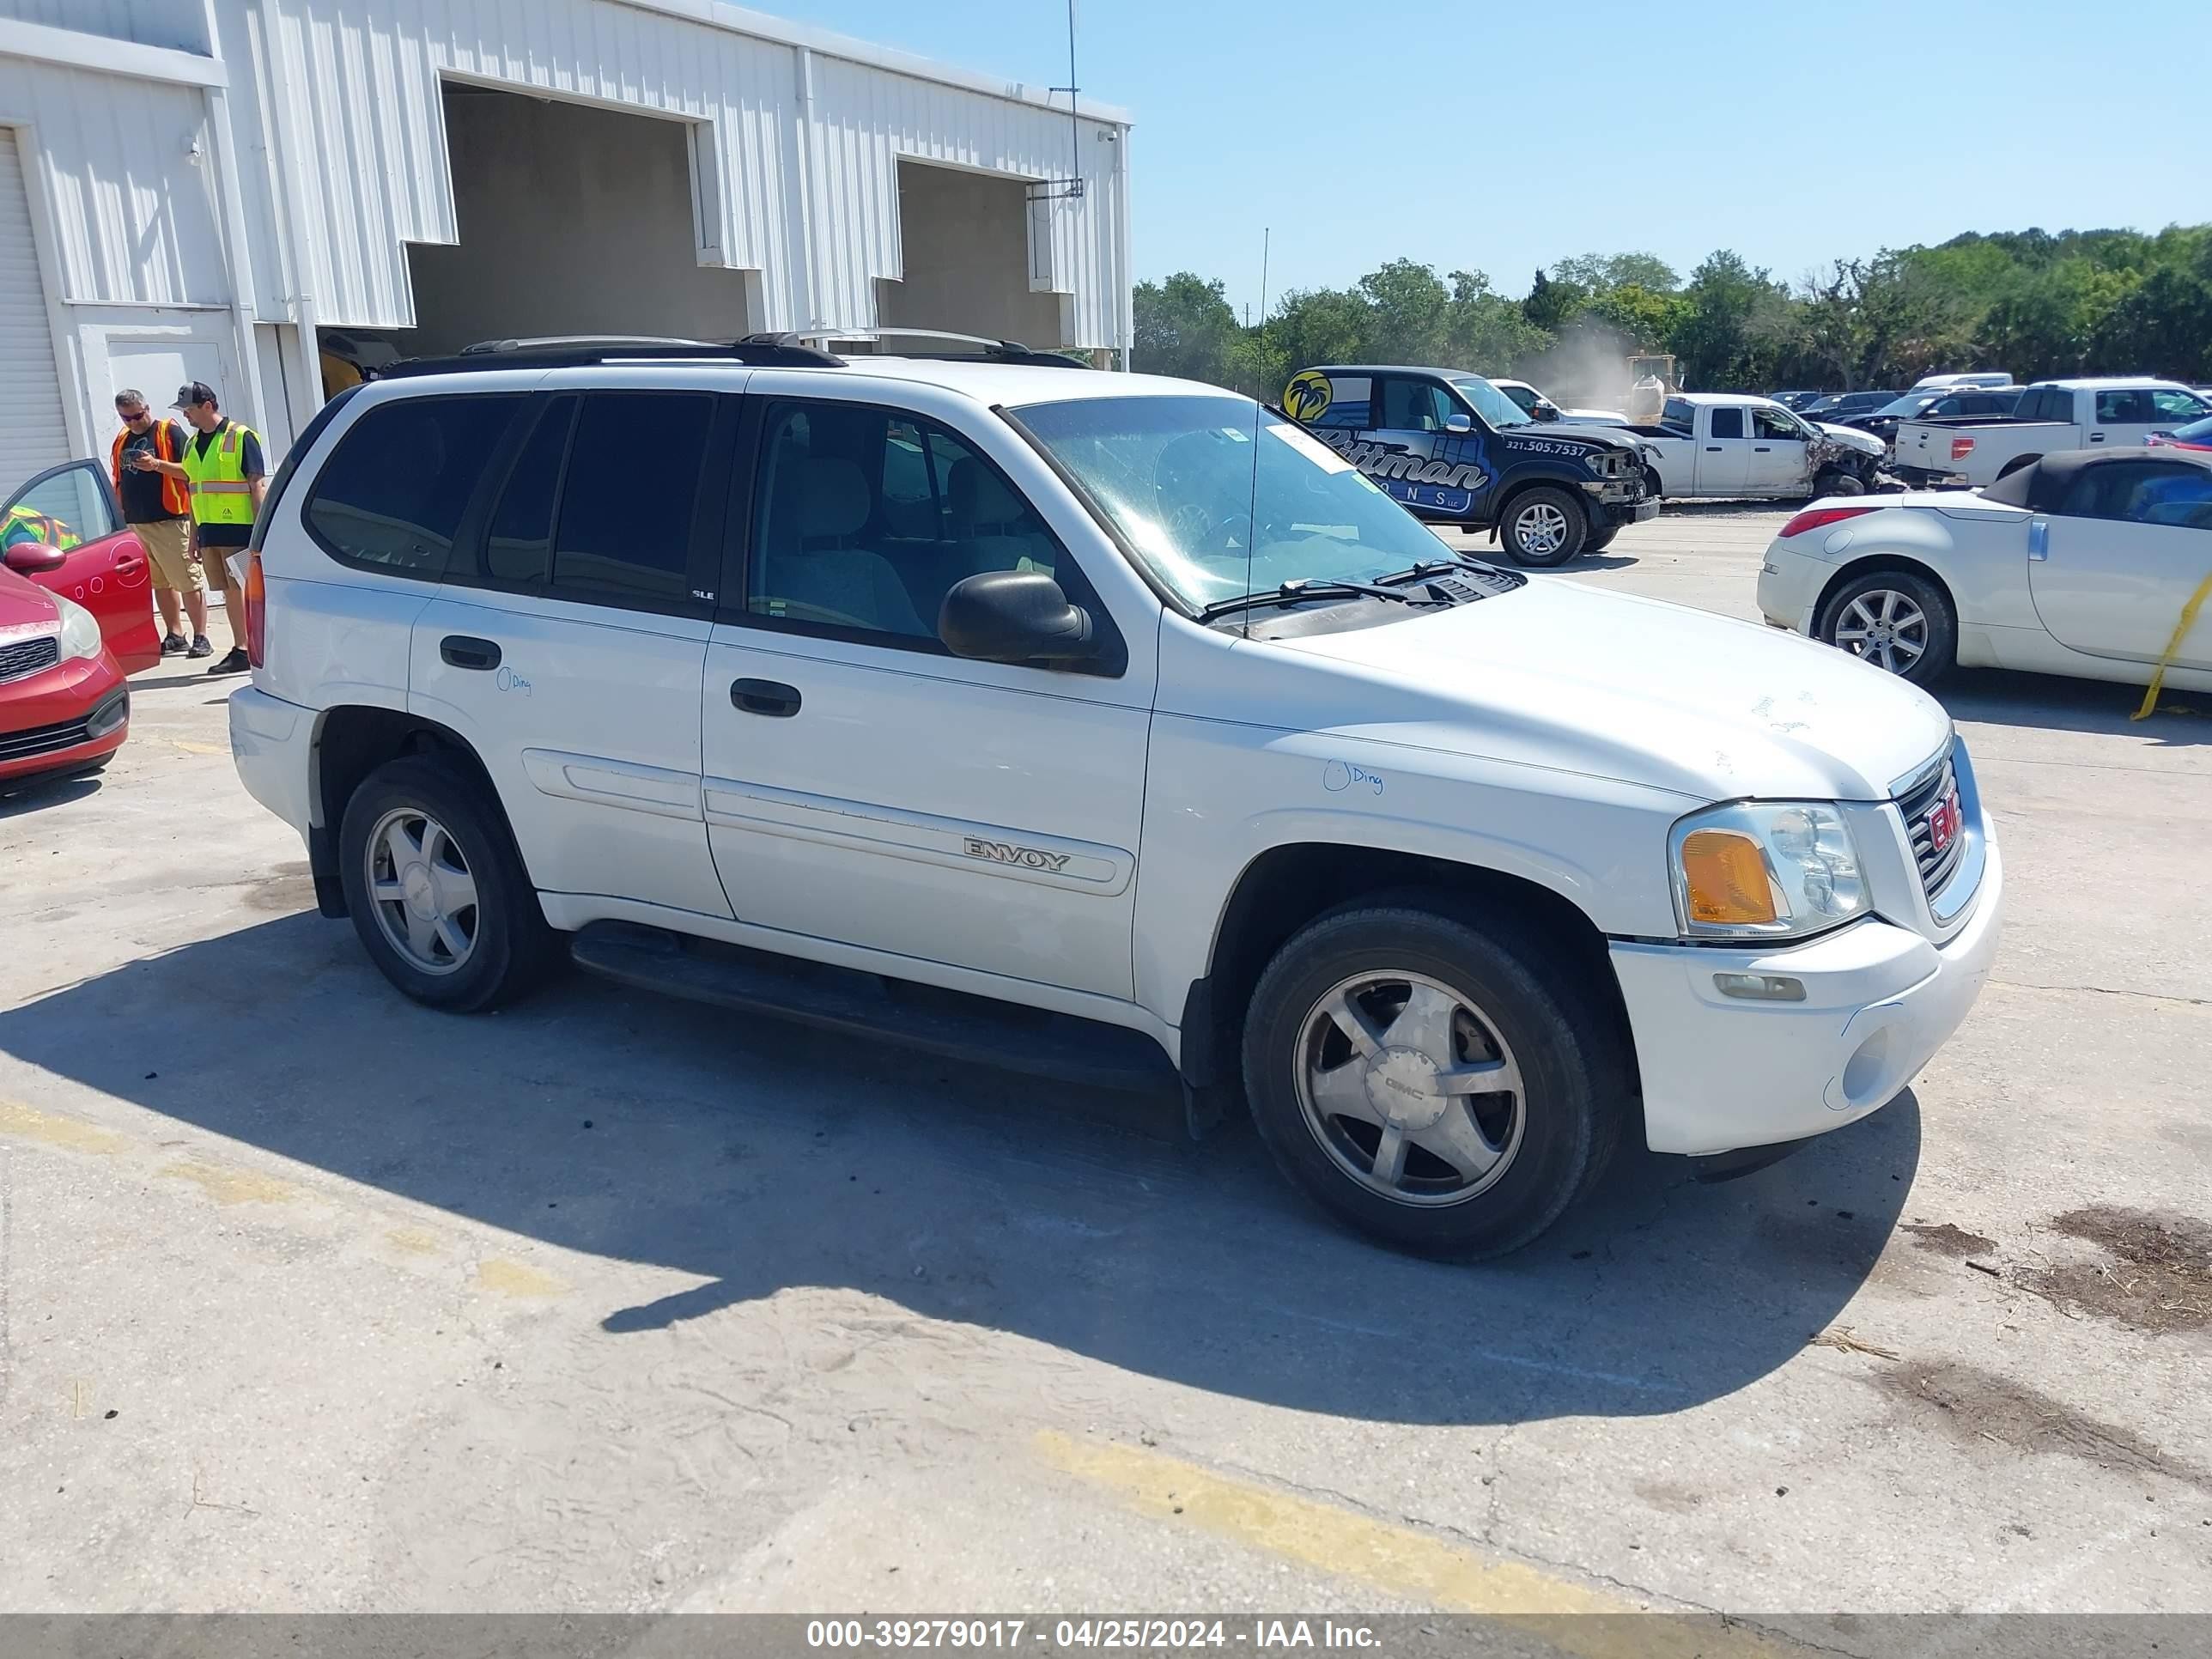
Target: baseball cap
x: 198, y: 392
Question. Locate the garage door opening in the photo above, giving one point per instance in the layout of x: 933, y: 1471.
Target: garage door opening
x: 573, y: 220
x: 964, y: 248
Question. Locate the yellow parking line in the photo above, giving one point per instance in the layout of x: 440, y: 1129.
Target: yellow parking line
x: 1397, y: 1560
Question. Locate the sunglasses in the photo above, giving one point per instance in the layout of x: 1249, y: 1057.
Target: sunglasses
x: 132, y: 414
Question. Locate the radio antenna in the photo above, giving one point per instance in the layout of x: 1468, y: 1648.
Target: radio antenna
x: 1259, y: 408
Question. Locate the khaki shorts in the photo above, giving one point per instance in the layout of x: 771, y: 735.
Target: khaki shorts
x: 167, y: 543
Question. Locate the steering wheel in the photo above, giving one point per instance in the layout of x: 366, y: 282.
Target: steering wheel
x: 1195, y: 525
x: 800, y: 610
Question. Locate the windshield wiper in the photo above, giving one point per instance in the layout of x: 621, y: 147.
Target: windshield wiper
x: 1301, y: 587
x: 1428, y: 567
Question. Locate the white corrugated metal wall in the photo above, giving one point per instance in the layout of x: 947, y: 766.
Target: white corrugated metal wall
x: 156, y: 195
x: 32, y: 436
x: 804, y: 145
x: 151, y: 23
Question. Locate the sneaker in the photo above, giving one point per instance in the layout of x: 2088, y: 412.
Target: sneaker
x: 173, y: 645
x: 199, y: 647
x: 235, y: 663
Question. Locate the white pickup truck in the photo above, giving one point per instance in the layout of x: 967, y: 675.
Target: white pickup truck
x: 1724, y: 444
x: 2053, y: 417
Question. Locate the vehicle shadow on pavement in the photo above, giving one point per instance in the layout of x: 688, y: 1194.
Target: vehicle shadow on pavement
x: 761, y: 1157
x: 2047, y: 702
x: 37, y: 794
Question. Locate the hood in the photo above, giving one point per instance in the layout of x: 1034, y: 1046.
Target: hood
x: 1591, y: 437
x: 1577, y: 678
x: 1851, y: 437
x: 26, y: 608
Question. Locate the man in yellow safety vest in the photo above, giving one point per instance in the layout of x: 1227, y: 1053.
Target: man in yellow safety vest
x: 228, y: 478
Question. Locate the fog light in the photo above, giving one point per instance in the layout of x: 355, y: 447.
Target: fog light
x: 109, y: 715
x: 1760, y: 988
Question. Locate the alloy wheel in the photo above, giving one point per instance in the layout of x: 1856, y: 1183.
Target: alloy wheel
x: 1409, y: 1088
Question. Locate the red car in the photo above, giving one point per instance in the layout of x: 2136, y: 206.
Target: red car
x: 76, y: 619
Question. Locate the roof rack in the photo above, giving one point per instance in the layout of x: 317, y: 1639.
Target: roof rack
x: 758, y: 351
x: 999, y: 351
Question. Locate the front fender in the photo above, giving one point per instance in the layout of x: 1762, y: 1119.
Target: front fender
x: 1598, y: 843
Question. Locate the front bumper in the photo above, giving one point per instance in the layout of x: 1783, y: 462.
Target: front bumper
x: 63, y: 717
x: 1720, y: 1074
x: 1605, y: 515
x: 270, y: 744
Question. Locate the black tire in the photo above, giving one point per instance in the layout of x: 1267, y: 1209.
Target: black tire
x: 1528, y: 508
x: 1653, y: 484
x: 511, y: 947
x: 1599, y: 540
x: 1838, y: 484
x: 1939, y: 640
x: 2015, y: 464
x: 1570, y: 1058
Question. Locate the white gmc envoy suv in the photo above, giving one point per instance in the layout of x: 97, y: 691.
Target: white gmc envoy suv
x: 1011, y: 710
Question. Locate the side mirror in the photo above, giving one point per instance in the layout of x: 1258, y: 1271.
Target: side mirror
x: 1458, y: 421
x: 1548, y: 411
x: 1015, y: 615
x: 35, y: 558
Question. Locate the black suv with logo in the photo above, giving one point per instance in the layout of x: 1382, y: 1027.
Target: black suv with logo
x: 1452, y: 448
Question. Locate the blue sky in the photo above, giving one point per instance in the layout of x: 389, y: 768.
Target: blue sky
x: 1500, y: 137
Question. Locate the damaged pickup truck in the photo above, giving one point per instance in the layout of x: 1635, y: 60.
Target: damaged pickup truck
x: 1452, y: 448
x: 1715, y: 445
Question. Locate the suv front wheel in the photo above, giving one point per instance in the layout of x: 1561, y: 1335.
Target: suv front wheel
x: 437, y: 894
x: 1545, y: 527
x: 1433, y: 1082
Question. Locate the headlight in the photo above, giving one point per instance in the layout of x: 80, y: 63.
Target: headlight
x: 1765, y: 869
x: 80, y: 629
x: 1599, y: 461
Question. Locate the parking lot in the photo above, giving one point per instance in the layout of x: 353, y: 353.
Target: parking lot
x: 313, y: 1299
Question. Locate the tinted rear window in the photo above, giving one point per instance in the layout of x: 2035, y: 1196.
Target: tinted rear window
x: 391, y: 497
x: 626, y: 505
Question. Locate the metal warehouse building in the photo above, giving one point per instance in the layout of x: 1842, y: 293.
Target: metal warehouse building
x: 228, y: 189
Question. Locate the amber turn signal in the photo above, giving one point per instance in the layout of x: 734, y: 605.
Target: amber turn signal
x: 1725, y: 874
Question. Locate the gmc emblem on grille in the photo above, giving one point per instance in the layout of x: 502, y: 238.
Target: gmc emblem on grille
x: 1943, y: 821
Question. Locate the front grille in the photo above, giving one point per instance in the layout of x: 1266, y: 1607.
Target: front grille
x: 1936, y: 867
x: 26, y: 656
x: 44, y: 740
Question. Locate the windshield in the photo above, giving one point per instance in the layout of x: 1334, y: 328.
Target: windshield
x: 1911, y: 404
x: 1493, y: 405
x: 1176, y: 477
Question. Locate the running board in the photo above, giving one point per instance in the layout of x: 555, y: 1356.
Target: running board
x: 947, y: 1023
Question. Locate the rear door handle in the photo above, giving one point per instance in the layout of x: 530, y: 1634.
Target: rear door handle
x: 1761, y: 449
x: 770, y: 697
x: 129, y: 564
x: 464, y: 651
x: 1712, y: 449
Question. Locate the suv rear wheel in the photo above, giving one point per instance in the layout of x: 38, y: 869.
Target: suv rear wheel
x: 437, y: 894
x: 1434, y: 1083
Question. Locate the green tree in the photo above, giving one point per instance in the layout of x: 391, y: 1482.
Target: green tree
x: 1600, y: 273
x: 1184, y: 327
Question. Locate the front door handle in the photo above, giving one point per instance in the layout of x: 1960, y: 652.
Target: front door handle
x: 2096, y: 437
x: 1712, y: 449
x: 2038, y: 539
x: 129, y: 564
x: 1761, y: 449
x: 770, y: 697
x: 464, y: 651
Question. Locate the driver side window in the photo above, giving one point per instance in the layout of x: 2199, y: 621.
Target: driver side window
x: 1772, y: 423
x: 867, y: 516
